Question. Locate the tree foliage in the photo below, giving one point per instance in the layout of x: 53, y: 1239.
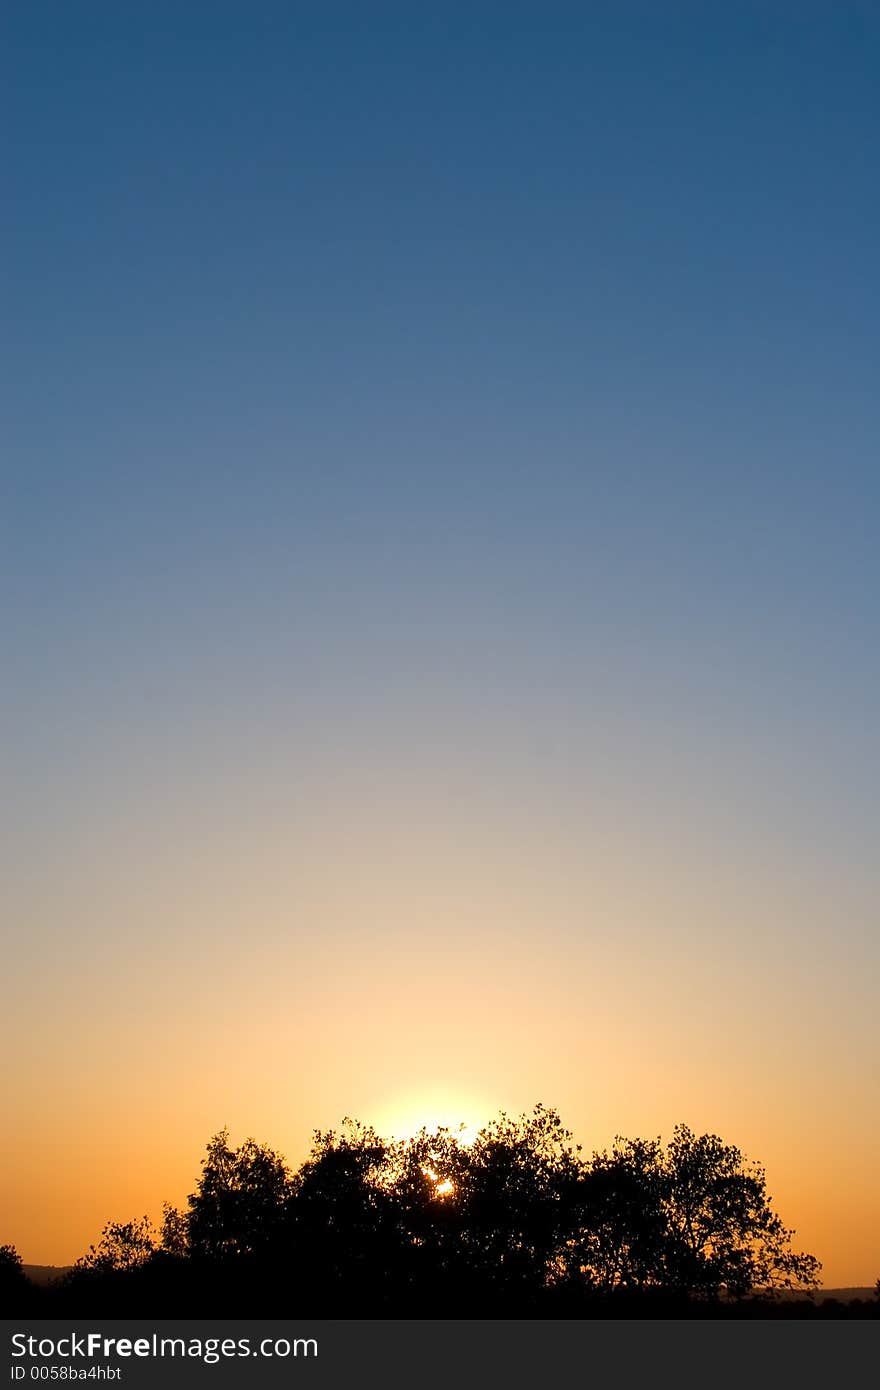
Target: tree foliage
x: 12, y: 1275
x: 123, y: 1246
x: 693, y: 1219
x: 238, y: 1204
x: 518, y: 1220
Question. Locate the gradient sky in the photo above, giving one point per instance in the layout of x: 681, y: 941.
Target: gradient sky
x: 440, y: 569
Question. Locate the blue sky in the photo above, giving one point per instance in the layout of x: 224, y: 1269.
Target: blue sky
x: 557, y: 324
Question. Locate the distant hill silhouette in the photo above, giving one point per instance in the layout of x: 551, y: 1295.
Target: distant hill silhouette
x: 41, y: 1275
x: 861, y: 1293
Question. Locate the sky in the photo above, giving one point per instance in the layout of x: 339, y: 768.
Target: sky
x: 438, y: 546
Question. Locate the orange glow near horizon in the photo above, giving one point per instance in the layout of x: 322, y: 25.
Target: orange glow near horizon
x: 254, y: 988
x: 108, y: 1119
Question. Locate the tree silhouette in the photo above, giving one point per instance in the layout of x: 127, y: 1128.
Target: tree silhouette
x: 617, y: 1230
x: 426, y: 1183
x: 124, y: 1246
x: 174, y: 1240
x: 239, y: 1202
x: 516, y: 1222
x: 522, y: 1181
x: 12, y: 1276
x: 722, y: 1233
x: 342, y: 1224
x: 694, y: 1220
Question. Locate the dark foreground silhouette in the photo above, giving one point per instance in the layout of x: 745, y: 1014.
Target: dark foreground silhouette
x: 515, y: 1224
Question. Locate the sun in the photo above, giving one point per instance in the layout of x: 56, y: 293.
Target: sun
x: 443, y: 1187
x: 461, y: 1112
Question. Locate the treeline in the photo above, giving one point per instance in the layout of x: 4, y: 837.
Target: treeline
x: 517, y: 1222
